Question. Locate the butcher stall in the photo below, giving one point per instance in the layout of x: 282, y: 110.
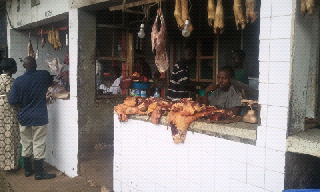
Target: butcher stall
x: 163, y: 145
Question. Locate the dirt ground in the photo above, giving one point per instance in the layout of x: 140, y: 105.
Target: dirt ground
x: 96, y: 175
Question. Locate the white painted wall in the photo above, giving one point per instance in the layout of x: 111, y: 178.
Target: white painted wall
x: 146, y: 159
x: 62, y: 147
x: 62, y: 140
x: 33, y: 15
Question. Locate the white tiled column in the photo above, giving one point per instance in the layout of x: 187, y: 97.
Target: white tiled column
x: 274, y: 68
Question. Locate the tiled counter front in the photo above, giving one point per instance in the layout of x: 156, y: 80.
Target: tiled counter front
x: 146, y: 159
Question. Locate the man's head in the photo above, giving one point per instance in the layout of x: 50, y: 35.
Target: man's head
x: 116, y: 71
x: 225, y: 75
x: 9, y: 66
x: 237, y: 58
x: 29, y: 63
x: 189, y: 53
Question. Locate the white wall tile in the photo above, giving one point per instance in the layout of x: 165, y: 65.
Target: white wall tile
x: 238, y: 171
x: 238, y: 151
x: 182, y: 184
x: 222, y: 175
x: 194, y: 187
x: 263, y: 72
x: 146, y: 185
x: 279, y: 72
x: 281, y: 27
x: 256, y: 156
x: 209, y: 144
x: 264, y: 50
x: 195, y: 174
x: 208, y: 170
x: 265, y: 10
x: 261, y: 136
x: 278, y: 95
x: 251, y: 188
x: 265, y: 28
x: 274, y: 181
x: 275, y: 160
x: 160, y: 188
x: 276, y: 139
x: 117, y: 185
x: 182, y: 155
x: 237, y: 186
x: 255, y: 176
x: 282, y: 7
x: 280, y: 50
x: 263, y: 114
x: 263, y: 93
x: 277, y: 117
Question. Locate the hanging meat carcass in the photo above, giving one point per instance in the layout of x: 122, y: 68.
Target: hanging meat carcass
x: 307, y: 6
x: 251, y: 10
x: 238, y: 14
x: 219, y: 18
x: 55, y: 65
x: 211, y: 12
x: 30, y: 48
x: 178, y: 14
x: 158, y: 40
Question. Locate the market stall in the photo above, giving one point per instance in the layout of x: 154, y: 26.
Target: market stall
x: 154, y: 138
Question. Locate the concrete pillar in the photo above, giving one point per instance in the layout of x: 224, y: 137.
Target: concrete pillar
x: 274, y: 86
x: 303, y: 101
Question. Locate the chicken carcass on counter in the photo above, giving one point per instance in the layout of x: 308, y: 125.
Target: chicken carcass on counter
x: 179, y: 113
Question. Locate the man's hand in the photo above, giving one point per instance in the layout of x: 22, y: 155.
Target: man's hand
x: 211, y: 87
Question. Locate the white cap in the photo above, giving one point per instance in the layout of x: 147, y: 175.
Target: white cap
x: 187, y: 22
x: 142, y: 25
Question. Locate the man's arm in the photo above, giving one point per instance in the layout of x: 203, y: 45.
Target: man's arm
x: 13, y: 96
x: 205, y: 98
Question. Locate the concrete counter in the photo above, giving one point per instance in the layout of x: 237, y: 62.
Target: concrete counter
x: 238, y: 131
x: 307, y: 142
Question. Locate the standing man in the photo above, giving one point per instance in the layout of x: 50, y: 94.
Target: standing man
x: 179, y: 81
x: 29, y: 93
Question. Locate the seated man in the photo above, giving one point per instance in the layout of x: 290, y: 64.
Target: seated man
x: 115, y: 87
x: 224, y: 93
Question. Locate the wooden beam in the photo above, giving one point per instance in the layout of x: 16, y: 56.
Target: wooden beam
x: 134, y: 12
x: 133, y: 4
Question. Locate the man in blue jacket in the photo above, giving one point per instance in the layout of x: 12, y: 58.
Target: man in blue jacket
x: 29, y: 93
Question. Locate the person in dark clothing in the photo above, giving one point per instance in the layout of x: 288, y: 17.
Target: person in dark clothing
x: 29, y: 93
x: 179, y: 81
x: 237, y: 58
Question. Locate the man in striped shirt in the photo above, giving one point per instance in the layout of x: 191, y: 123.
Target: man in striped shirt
x: 179, y: 81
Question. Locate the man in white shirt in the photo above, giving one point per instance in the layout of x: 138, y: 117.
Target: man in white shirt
x: 115, y: 87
